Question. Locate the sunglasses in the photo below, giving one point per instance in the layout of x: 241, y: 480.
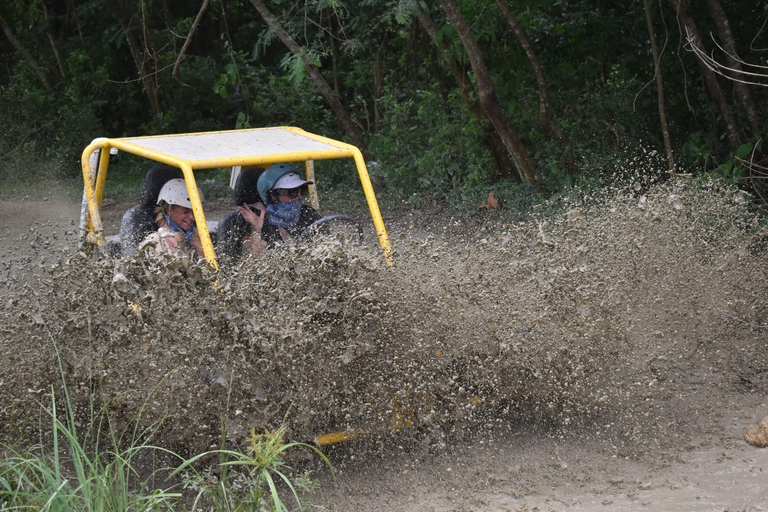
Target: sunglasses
x: 292, y: 193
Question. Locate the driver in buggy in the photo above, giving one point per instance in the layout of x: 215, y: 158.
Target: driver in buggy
x: 282, y: 214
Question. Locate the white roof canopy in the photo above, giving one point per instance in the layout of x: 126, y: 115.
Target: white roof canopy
x: 237, y: 147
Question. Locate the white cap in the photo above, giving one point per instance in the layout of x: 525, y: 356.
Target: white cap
x: 290, y: 180
x: 175, y: 192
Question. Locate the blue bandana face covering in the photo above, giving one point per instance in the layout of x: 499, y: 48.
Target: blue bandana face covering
x: 176, y: 229
x: 285, y: 214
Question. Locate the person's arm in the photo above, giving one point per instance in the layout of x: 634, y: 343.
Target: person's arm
x: 157, y: 243
x: 253, y: 243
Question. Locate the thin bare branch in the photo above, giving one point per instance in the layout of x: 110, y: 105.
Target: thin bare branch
x: 141, y: 78
x: 186, y: 43
x: 721, y: 69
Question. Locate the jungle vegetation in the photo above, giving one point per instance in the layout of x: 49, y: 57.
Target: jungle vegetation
x: 447, y: 97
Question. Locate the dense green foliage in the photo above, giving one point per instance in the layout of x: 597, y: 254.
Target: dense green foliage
x: 73, y: 71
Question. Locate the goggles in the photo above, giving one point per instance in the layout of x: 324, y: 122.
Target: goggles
x: 292, y: 193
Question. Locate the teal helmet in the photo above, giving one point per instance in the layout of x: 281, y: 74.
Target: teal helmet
x: 270, y: 177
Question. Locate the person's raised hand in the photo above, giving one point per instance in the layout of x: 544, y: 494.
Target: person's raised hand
x: 253, y: 218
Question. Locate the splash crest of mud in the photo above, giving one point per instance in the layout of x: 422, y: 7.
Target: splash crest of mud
x: 582, y: 312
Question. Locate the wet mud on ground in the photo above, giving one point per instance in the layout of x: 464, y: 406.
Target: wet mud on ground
x: 610, y: 356
x: 529, y: 471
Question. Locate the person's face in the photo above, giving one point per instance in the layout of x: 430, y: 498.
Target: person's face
x: 182, y: 216
x: 285, y: 195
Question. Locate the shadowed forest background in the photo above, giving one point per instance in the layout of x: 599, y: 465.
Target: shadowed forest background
x: 447, y: 97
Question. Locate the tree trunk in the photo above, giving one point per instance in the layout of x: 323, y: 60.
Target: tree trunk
x: 140, y: 57
x: 546, y: 118
x: 660, y: 86
x: 487, y: 96
x: 32, y: 29
x: 192, y: 29
x: 55, y: 49
x: 152, y: 62
x: 378, y: 87
x: 333, y: 36
x: 741, y: 90
x: 72, y: 11
x: 500, y: 154
x: 331, y: 97
x: 683, y: 10
x: 24, y: 53
x: 72, y: 8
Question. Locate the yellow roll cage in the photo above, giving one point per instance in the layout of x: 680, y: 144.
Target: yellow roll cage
x: 208, y: 150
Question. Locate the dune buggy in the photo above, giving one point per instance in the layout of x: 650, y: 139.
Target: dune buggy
x: 196, y: 151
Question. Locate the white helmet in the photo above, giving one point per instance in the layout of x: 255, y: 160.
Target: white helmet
x: 175, y: 192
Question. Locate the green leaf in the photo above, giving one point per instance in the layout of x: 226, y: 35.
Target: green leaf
x: 744, y: 150
x: 220, y: 90
x: 446, y: 31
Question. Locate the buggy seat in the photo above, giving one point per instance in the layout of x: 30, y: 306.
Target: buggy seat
x: 233, y: 228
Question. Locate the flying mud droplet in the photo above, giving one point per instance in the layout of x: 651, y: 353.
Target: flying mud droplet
x: 676, y: 201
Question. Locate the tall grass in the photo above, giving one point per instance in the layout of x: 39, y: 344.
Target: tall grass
x: 95, y: 472
x: 71, y: 477
x: 71, y: 473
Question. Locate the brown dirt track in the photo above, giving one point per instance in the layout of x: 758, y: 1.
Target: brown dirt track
x: 619, y: 353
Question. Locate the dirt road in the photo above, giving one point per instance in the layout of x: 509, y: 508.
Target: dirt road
x: 649, y: 356
x: 527, y: 470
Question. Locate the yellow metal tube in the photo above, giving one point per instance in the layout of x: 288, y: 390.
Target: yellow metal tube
x: 313, y: 200
x: 94, y: 227
x: 101, y: 177
x: 373, y: 206
x: 197, y: 209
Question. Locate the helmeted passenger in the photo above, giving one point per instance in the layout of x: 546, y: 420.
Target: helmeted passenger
x: 282, y: 215
x: 177, y: 233
x: 139, y: 221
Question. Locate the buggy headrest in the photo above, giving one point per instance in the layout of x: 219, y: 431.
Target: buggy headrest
x: 246, y: 190
x: 154, y: 180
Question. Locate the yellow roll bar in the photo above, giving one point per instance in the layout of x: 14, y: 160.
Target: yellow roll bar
x: 207, y: 150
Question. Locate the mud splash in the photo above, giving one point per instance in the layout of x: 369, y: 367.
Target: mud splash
x: 584, y: 315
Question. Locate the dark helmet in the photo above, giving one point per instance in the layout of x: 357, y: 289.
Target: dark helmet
x: 246, y: 189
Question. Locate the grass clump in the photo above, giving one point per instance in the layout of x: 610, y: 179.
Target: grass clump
x: 106, y: 470
x: 253, y: 482
x: 68, y: 474
x: 71, y: 476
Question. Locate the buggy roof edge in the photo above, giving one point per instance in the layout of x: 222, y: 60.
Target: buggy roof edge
x: 237, y: 147
x: 189, y: 151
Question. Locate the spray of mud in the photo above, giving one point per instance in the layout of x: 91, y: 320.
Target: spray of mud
x: 598, y: 313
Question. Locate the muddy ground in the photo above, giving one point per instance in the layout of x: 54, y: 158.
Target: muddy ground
x: 609, y: 356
